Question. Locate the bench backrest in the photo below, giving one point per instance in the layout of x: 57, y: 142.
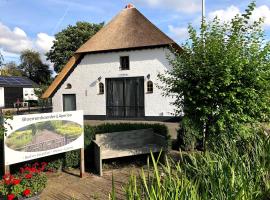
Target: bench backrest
x: 126, y: 138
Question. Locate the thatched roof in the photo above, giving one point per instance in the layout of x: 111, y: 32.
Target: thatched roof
x: 61, y: 76
x: 128, y: 30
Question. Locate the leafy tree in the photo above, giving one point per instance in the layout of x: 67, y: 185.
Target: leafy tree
x: 39, y: 92
x: 221, y: 79
x: 11, y: 69
x: 32, y: 67
x: 1, y: 59
x: 69, y: 40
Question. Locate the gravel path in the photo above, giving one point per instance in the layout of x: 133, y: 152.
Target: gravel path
x: 45, y: 135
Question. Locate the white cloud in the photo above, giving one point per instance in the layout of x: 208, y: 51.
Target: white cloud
x: 262, y: 12
x: 179, y: 33
x: 190, y: 6
x: 224, y: 15
x: 44, y: 42
x: 13, y: 42
x: 19, y: 32
x: 229, y: 13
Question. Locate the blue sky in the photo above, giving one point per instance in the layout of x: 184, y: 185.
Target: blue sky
x: 33, y: 23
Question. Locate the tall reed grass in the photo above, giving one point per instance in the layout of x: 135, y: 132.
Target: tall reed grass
x: 237, y: 170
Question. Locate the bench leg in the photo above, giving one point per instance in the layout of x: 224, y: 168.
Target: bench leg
x: 100, y: 167
x: 98, y: 160
x: 98, y: 164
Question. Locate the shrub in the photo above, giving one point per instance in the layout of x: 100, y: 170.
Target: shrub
x: 72, y: 159
x: 188, y: 134
x: 1, y: 157
x: 221, y: 77
x: 55, y: 163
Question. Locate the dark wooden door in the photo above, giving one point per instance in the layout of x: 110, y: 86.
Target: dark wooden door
x: 69, y: 102
x: 125, y: 97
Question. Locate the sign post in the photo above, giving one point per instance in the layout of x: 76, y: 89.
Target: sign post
x: 82, y: 166
x: 6, y: 169
x: 30, y: 137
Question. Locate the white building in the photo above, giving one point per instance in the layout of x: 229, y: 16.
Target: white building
x: 115, y: 73
x: 13, y: 89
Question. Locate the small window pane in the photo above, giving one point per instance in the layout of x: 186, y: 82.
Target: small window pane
x: 124, y: 63
x: 101, y: 88
x: 69, y: 86
x: 150, y: 87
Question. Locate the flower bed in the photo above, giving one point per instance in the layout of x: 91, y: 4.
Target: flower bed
x: 27, y: 184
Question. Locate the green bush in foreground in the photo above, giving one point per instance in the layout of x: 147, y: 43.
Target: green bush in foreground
x: 221, y: 78
x: 228, y: 173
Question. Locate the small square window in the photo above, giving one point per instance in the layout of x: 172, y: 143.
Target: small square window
x: 124, y: 63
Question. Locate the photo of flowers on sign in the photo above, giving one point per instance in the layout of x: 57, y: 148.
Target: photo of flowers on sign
x: 43, y: 136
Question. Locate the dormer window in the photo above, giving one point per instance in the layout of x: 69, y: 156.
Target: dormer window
x: 124, y: 63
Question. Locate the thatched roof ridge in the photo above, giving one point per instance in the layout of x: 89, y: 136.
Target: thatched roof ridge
x: 129, y: 29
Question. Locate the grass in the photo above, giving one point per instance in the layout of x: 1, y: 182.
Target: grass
x: 19, y: 139
x: 233, y: 171
x: 66, y: 128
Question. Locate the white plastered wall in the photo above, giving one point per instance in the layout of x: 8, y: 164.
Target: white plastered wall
x: 84, y: 80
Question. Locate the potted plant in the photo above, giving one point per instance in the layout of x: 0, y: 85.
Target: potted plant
x: 25, y: 185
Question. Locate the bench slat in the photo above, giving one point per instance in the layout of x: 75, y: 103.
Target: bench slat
x: 117, y: 153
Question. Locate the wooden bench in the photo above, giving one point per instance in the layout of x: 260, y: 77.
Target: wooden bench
x: 126, y: 143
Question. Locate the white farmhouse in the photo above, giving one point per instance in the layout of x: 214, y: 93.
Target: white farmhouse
x: 114, y: 74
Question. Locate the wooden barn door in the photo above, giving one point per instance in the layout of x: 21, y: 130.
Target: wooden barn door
x: 125, y: 97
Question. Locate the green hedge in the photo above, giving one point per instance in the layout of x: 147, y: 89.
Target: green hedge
x: 72, y: 158
x: 1, y: 157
